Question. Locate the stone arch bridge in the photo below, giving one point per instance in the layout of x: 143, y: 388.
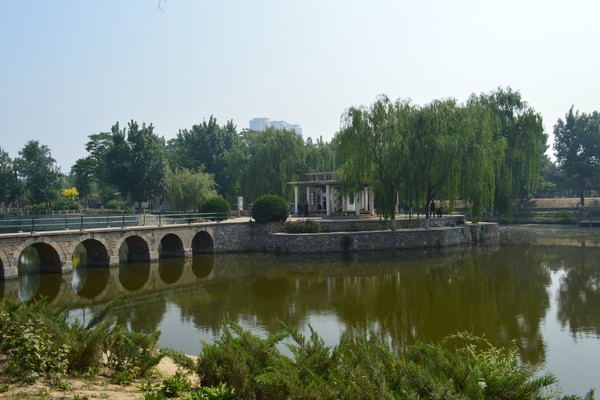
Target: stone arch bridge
x: 108, y: 246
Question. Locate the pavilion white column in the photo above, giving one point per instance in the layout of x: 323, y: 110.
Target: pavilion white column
x: 371, y: 201
x: 327, y: 200
x: 356, y: 204
x: 307, y: 197
x: 295, y: 200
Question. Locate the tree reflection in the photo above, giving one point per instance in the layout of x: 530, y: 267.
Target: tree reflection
x: 579, y: 292
x: 492, y: 295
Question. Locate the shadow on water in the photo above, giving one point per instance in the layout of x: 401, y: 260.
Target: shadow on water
x: 170, y: 270
x: 134, y: 275
x: 88, y: 281
x: 202, y: 265
x: 36, y: 279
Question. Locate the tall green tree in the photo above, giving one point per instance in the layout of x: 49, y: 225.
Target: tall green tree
x: 187, y: 190
x: 320, y: 156
x: 435, y: 154
x: 577, y: 147
x: 136, y: 161
x: 205, y: 147
x: 478, y: 157
x: 39, y: 172
x: 518, y: 130
x: 7, y: 179
x: 263, y: 162
x: 373, y: 145
x: 83, y: 176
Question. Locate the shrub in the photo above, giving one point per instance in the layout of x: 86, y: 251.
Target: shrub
x: 216, y: 205
x: 219, y: 392
x: 237, y: 358
x: 302, y: 226
x: 132, y: 353
x: 175, y: 386
x: 270, y: 208
x: 39, y: 341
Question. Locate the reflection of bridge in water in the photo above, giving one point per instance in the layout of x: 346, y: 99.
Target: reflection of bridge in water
x: 94, y: 285
x: 108, y: 246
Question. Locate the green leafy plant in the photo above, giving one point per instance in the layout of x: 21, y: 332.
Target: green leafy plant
x: 270, y: 208
x: 237, y: 357
x: 216, y: 205
x: 132, y: 353
x: 175, y: 385
x: 219, y: 392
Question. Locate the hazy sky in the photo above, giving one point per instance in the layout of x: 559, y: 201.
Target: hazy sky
x: 72, y: 68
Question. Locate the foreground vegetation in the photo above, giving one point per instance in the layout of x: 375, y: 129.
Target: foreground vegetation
x: 38, y: 343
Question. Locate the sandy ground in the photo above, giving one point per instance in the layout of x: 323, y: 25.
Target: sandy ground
x: 101, y: 388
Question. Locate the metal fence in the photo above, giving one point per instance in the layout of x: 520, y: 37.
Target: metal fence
x: 81, y: 222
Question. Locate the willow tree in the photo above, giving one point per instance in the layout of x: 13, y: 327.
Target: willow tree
x: 320, y: 156
x: 518, y: 130
x: 186, y: 190
x: 434, y: 155
x: 480, y: 157
x: 372, y: 146
x: 263, y: 162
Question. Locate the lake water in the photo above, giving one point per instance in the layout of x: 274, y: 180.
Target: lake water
x: 539, y: 288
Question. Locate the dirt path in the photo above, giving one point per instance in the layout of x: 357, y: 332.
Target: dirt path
x: 101, y: 388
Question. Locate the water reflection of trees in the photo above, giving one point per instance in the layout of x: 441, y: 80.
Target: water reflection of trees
x: 143, y: 314
x: 579, y: 290
x: 489, y: 295
x: 492, y: 295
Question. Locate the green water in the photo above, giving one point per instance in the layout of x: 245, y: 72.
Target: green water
x: 540, y: 288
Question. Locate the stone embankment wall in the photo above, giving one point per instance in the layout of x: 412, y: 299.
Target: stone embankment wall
x: 363, y: 235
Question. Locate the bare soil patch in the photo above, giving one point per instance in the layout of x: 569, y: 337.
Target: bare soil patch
x: 80, y: 388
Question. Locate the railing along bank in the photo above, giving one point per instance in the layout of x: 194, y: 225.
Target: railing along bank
x: 81, y: 222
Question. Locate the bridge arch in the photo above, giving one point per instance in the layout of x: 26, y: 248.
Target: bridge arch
x: 202, y: 243
x: 134, y: 248
x: 50, y: 253
x: 170, y: 246
x: 3, y: 262
x: 96, y: 252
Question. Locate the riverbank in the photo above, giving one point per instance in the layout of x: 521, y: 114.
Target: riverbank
x: 564, y: 211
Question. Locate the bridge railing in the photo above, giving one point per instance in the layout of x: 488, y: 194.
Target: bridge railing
x: 81, y: 222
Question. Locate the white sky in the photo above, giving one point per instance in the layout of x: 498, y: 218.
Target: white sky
x: 72, y: 68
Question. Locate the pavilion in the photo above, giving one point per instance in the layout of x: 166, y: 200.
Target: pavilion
x: 323, y: 196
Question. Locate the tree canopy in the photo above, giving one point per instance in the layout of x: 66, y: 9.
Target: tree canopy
x: 39, y: 172
x: 577, y: 147
x: 265, y: 161
x: 443, y: 150
x: 136, y: 161
x: 205, y: 147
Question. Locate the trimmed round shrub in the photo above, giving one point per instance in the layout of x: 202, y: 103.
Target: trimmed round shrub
x: 270, y: 208
x: 215, y: 205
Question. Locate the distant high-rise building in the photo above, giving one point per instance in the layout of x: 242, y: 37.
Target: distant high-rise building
x: 261, y: 124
